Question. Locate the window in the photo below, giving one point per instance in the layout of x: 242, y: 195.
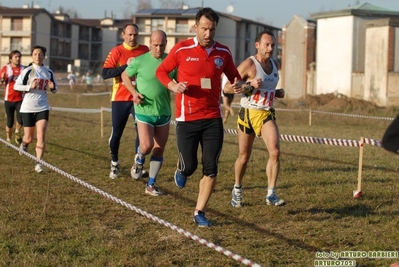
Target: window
x: 182, y: 25
x: 16, y: 43
x: 54, y: 47
x: 247, y: 31
x: 157, y: 24
x: 16, y: 24
x: 54, y: 29
x: 84, y: 33
x: 83, y: 51
x: 68, y: 31
x: 96, y: 35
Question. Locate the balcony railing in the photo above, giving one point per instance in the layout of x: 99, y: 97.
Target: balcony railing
x: 96, y: 38
x: 16, y: 27
x: 84, y: 37
x: 8, y: 31
x: 182, y: 28
x: 23, y: 49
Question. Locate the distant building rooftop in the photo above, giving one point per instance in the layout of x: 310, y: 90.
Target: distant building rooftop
x: 21, y: 11
x: 361, y: 10
x: 162, y: 12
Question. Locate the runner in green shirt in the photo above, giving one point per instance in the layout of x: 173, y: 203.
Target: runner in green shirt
x: 152, y: 109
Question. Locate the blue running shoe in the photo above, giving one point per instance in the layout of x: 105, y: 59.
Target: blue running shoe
x: 274, y: 200
x: 201, y: 220
x: 180, y: 179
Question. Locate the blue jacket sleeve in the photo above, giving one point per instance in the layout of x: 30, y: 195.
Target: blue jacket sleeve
x: 112, y: 72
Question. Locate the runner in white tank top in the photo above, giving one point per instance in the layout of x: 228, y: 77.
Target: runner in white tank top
x: 257, y: 116
x: 261, y: 98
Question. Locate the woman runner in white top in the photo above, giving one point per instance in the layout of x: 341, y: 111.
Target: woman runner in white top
x: 34, y: 81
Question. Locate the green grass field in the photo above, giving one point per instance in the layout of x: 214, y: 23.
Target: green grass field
x: 50, y: 220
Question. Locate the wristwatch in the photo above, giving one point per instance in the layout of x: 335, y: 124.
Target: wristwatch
x: 248, y: 87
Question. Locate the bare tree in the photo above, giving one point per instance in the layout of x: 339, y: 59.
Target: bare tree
x: 127, y: 11
x: 143, y: 4
x: 171, y: 4
x: 71, y: 12
x: 262, y: 19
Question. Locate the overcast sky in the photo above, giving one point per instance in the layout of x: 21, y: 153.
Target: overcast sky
x: 276, y: 13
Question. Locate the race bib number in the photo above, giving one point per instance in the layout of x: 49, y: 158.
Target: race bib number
x: 262, y: 99
x: 42, y: 84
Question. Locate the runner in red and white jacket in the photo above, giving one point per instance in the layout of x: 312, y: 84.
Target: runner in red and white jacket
x: 200, y: 62
x: 201, y: 71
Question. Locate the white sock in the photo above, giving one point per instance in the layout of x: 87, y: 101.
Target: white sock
x: 270, y: 191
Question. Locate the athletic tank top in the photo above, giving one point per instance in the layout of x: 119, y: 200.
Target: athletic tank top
x: 261, y: 98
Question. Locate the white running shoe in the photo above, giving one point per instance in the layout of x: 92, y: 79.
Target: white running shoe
x: 153, y: 190
x: 22, y: 148
x: 236, y: 200
x: 39, y: 168
x: 114, y: 173
x: 137, y: 169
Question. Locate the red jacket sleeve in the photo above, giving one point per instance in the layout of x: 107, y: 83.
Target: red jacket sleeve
x: 3, y: 73
x: 231, y: 71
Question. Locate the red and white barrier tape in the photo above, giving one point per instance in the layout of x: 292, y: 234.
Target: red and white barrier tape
x: 329, y: 141
x: 372, y: 142
x: 316, y: 140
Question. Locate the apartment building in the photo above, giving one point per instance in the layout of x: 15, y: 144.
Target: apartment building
x: 80, y: 43
x: 83, y: 44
